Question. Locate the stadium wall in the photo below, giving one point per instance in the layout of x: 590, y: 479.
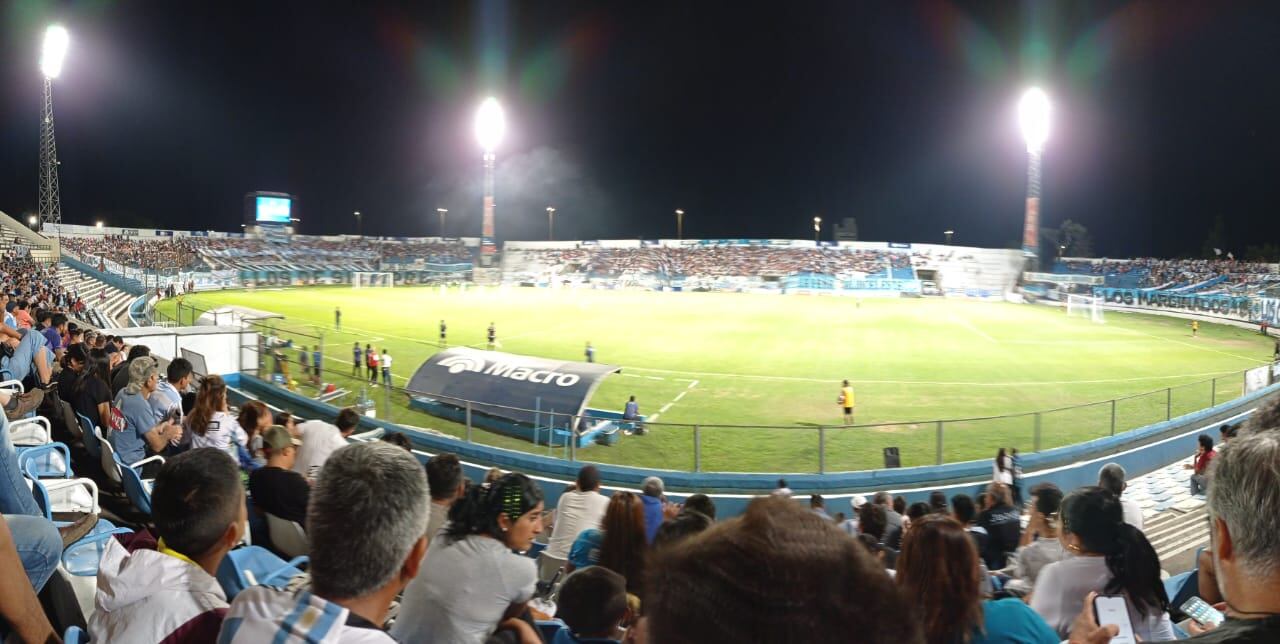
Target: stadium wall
x: 1139, y: 451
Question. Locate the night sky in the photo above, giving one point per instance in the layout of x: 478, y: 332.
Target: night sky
x: 753, y: 117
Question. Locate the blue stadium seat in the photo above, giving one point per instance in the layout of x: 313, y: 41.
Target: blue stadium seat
x: 137, y: 488
x: 51, y: 460
x: 255, y: 566
x: 91, y: 436
x: 75, y: 636
x: 80, y: 558
x: 549, y: 627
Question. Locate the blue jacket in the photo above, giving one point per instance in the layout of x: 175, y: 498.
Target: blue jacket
x: 652, y: 516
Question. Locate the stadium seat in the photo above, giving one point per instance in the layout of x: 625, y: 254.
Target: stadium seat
x: 254, y: 566
x: 49, y: 460
x: 61, y: 494
x: 80, y: 558
x: 287, y: 537
x: 111, y: 463
x: 137, y: 488
x: 549, y: 627
x: 75, y: 635
x: 92, y: 436
x: 30, y: 431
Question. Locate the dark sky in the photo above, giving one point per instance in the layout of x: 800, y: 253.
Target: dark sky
x: 753, y: 117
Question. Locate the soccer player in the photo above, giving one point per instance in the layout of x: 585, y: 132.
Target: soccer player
x: 444, y: 330
x: 356, y: 356
x: 493, y: 336
x: 386, y: 368
x: 1195, y: 328
x: 846, y: 401
x: 591, y: 352
x: 337, y: 318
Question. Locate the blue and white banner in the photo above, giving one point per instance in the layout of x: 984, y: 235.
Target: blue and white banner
x: 898, y: 286
x: 1266, y: 309
x: 1224, y: 305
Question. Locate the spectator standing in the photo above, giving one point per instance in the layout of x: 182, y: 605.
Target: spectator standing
x: 356, y: 356
x: 579, y: 509
x: 484, y: 529
x: 775, y: 574
x: 371, y: 361
x: 171, y: 593
x: 654, y: 506
x: 444, y: 332
x: 447, y: 485
x: 1200, y: 464
x: 317, y: 364
x: 818, y: 506
x: 386, y: 368
x: 320, y: 439
x: 938, y: 569
x: 1003, y: 524
x: 590, y: 352
x: 353, y: 581
x: 619, y: 544
x: 1112, y: 479
x: 493, y: 337
x: 1109, y: 557
x: 1015, y: 473
x: 893, y: 520
x: 1002, y: 468
x: 277, y: 489
x: 337, y: 318
x: 850, y: 526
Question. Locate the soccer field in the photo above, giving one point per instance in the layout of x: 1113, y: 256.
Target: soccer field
x: 770, y: 360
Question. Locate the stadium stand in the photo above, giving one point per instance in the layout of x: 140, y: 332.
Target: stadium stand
x: 1181, y: 276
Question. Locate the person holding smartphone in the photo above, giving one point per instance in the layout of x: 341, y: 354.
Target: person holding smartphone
x: 1111, y: 557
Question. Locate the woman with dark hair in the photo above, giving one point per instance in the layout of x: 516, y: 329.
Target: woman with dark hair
x: 254, y: 419
x: 211, y: 423
x: 618, y: 544
x: 938, y: 569
x: 73, y: 362
x: 1111, y: 557
x: 1002, y: 468
x: 474, y: 581
x: 91, y: 397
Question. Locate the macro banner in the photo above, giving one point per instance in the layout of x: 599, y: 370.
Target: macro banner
x: 1233, y: 306
x: 510, y: 386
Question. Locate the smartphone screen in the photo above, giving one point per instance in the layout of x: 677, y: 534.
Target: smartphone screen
x: 1197, y: 609
x: 1114, y: 609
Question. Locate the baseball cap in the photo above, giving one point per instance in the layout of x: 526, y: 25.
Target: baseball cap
x: 277, y: 437
x: 858, y: 501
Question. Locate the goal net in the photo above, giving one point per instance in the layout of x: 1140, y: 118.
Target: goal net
x: 1085, y: 306
x: 361, y: 279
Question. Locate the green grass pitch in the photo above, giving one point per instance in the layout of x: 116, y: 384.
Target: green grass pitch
x: 718, y: 359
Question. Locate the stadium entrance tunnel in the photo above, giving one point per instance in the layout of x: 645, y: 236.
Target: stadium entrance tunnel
x: 535, y: 399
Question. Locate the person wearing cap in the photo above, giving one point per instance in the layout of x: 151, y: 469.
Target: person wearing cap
x: 275, y: 487
x: 135, y: 434
x: 850, y: 526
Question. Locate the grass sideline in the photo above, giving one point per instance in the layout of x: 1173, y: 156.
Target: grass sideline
x: 772, y: 365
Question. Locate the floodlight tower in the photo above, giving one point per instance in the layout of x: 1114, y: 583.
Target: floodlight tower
x: 490, y: 125
x: 51, y: 56
x: 1033, y: 117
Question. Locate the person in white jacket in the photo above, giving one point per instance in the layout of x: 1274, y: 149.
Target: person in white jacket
x: 171, y: 594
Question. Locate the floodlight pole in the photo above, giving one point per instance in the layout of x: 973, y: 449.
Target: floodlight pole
x: 487, y: 244
x: 441, y: 212
x: 1031, y: 216
x: 679, y: 223
x: 50, y: 197
x: 551, y: 223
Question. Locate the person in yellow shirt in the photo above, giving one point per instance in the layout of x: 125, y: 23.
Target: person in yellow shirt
x: 1195, y: 328
x: 846, y: 401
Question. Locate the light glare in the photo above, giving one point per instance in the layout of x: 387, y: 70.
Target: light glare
x: 55, y: 49
x: 1033, y: 117
x: 490, y: 124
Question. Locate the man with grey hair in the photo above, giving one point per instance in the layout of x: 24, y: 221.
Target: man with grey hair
x: 136, y: 433
x: 654, y: 506
x: 354, y: 575
x: 1112, y: 479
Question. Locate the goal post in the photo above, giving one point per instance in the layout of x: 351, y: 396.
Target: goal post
x: 1085, y: 306
x: 371, y: 279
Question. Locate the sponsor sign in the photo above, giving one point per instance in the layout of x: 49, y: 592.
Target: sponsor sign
x: 508, y: 385
x: 1223, y: 305
x: 1266, y: 309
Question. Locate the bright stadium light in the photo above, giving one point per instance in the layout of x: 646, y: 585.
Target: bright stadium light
x: 54, y: 50
x: 32, y: 219
x: 1033, y: 117
x: 99, y: 224
x: 491, y: 124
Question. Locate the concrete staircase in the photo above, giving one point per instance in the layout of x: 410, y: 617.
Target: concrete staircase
x: 115, y: 310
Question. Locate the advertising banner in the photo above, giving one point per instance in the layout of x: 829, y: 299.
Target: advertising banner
x: 1225, y: 305
x: 1266, y: 309
x: 508, y: 385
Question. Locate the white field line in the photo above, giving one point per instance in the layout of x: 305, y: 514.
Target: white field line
x: 1194, y: 345
x: 714, y: 374
x: 969, y: 325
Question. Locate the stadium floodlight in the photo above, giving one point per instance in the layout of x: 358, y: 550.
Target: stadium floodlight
x: 442, y: 212
x: 99, y: 224
x: 1033, y: 117
x: 679, y: 224
x: 551, y: 223
x: 948, y: 233
x: 491, y: 124
x: 359, y: 224
x: 54, y: 50
x: 817, y: 227
x: 31, y: 220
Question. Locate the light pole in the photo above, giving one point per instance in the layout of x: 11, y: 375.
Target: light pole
x: 1033, y: 117
x: 948, y: 233
x: 817, y: 227
x: 1062, y: 250
x: 441, y: 212
x: 359, y: 225
x: 490, y: 125
x: 551, y: 223
x: 51, y: 57
x: 679, y: 224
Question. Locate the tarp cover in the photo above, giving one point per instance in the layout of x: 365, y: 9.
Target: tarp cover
x: 508, y: 385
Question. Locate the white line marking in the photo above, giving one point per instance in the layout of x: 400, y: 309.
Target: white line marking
x: 1192, y: 345
x: 654, y: 378
x: 692, y: 384
x: 680, y: 395
x: 714, y: 374
x: 665, y: 408
x: 969, y: 325
x: 652, y: 419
